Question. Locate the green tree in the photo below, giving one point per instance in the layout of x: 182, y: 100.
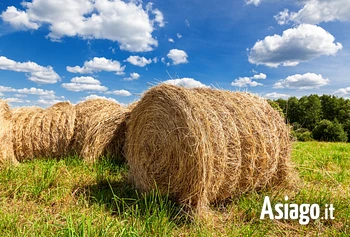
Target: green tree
x: 335, y: 108
x: 343, y: 114
x: 329, y: 107
x: 310, y: 111
x: 326, y: 130
x: 282, y: 104
x: 292, y: 110
x: 346, y: 126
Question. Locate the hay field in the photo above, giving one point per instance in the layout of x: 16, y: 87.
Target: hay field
x: 73, y: 198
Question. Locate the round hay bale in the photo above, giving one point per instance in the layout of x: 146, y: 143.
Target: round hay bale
x: 202, y: 146
x: 100, y: 129
x: 84, y: 110
x: 7, y: 156
x: 20, y: 119
x: 40, y: 133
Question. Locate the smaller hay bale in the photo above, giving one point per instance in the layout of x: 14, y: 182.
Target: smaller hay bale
x: 84, y: 111
x: 43, y: 133
x: 7, y: 156
x: 100, y: 129
x: 20, y: 118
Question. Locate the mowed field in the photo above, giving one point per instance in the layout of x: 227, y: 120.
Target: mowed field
x: 72, y: 198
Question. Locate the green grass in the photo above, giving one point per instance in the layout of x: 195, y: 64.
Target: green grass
x: 71, y: 198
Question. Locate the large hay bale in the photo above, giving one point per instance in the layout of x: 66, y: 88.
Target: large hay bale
x: 43, y: 133
x: 7, y: 155
x: 202, y: 146
x: 100, y: 129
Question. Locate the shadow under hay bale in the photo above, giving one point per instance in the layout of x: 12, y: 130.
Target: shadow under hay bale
x: 121, y: 199
x: 7, y: 156
x: 43, y: 133
x: 203, y: 146
x: 99, y: 129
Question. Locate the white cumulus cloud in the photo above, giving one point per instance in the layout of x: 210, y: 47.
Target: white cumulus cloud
x: 259, y: 76
x: 48, y: 102
x: 36, y: 91
x: 317, y: 11
x: 244, y: 82
x: 87, y: 80
x: 120, y: 93
x: 248, y: 81
x: 36, y: 73
x: 275, y: 95
x: 177, y: 56
x: 343, y: 91
x: 21, y: 95
x: 18, y: 19
x: 296, y: 45
x: 186, y: 82
x: 126, y: 22
x: 7, y: 89
x: 133, y: 76
x: 138, y: 61
x: 83, y: 87
x: 255, y: 2
x: 158, y: 15
x: 302, y: 82
x: 84, y: 84
x: 28, y: 91
x: 46, y: 97
x: 93, y: 97
x: 283, y: 17
x: 98, y: 65
x: 16, y: 100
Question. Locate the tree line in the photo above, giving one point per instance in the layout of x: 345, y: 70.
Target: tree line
x: 313, y: 117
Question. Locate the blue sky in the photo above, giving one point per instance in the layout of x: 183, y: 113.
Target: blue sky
x: 57, y: 50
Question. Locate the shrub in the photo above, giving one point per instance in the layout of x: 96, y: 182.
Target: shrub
x: 303, y: 135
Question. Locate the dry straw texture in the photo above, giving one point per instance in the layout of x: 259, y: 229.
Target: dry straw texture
x: 43, y: 133
x: 202, y: 145
x: 6, y: 146
x: 100, y: 129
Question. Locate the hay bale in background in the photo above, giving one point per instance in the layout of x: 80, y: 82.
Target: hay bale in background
x: 42, y: 133
x: 100, y: 129
x: 204, y: 145
x: 84, y: 110
x: 7, y: 155
x: 20, y: 119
